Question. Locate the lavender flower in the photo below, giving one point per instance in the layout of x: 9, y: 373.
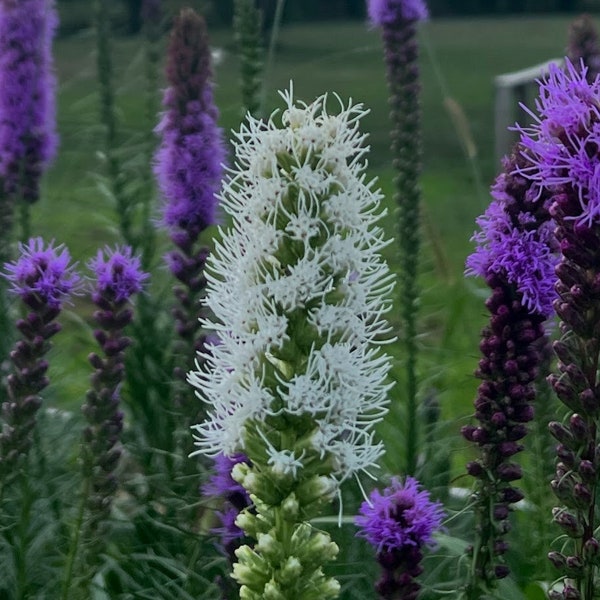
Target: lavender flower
x: 42, y: 278
x: 297, y: 289
x: 27, y: 113
x: 516, y: 255
x: 118, y: 277
x: 189, y: 167
x: 398, y: 20
x: 399, y: 523
x: 563, y: 156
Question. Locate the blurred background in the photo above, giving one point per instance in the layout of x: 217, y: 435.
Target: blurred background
x: 76, y: 14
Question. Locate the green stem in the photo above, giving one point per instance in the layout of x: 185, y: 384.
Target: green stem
x: 23, y: 544
x: 74, y: 547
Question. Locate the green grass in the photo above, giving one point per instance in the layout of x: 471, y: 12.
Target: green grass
x: 459, y: 60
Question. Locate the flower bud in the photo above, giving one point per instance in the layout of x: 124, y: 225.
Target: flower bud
x: 568, y: 522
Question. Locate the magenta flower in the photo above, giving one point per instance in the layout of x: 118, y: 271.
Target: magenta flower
x: 118, y: 274
x: 28, y: 137
x: 42, y: 275
x: 386, y: 12
x: 399, y: 523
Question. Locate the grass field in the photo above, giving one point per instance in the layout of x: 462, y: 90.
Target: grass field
x: 459, y: 60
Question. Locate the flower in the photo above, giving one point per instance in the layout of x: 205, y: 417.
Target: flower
x: 402, y: 516
x: 562, y: 144
x: 118, y: 274
x: 387, y: 12
x: 28, y: 138
x: 189, y: 161
x: 516, y: 243
x: 297, y: 290
x: 42, y: 273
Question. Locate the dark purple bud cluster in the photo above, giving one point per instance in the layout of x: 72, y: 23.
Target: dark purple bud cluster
x: 576, y: 384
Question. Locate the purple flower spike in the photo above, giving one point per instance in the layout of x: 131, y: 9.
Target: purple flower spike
x: 118, y: 274
x: 28, y: 138
x: 42, y: 274
x: 386, y: 12
x: 43, y: 279
x: 118, y: 277
x: 399, y: 523
x: 189, y: 162
x: 189, y: 168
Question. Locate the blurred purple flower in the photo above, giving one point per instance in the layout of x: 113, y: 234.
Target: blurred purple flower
x: 42, y: 274
x: 118, y: 273
x: 28, y: 137
x: 387, y: 12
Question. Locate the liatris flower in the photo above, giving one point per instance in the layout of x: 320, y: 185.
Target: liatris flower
x: 297, y: 288
x: 189, y: 167
x: 583, y: 47
x: 515, y: 256
x: 563, y: 152
x: 43, y: 279
x: 118, y: 277
x: 398, y: 20
x: 247, y: 25
x: 234, y: 498
x: 399, y: 523
x: 27, y: 113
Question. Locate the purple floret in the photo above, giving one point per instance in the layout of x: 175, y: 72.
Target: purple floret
x: 28, y: 138
x: 386, y: 12
x: 222, y: 485
x: 118, y: 273
x: 402, y: 516
x: 42, y: 272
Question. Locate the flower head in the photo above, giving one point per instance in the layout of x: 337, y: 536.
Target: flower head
x: 562, y: 145
x: 118, y: 273
x: 521, y: 249
x: 386, y: 12
x: 28, y: 138
x: 298, y: 292
x: 42, y: 273
x: 189, y: 162
x: 402, y: 516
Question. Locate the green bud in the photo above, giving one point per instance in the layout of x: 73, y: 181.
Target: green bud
x: 319, y: 550
x: 290, y: 508
x: 291, y: 570
x: 316, y: 488
x: 252, y: 569
x: 239, y: 472
x: 247, y: 594
x: 272, y: 592
x: 268, y: 546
